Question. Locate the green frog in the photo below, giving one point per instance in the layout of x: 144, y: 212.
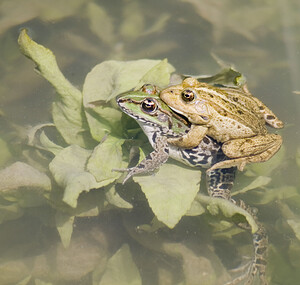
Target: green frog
x: 230, y: 115
x: 160, y: 125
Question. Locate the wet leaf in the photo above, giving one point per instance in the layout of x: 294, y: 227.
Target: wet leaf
x: 25, y: 281
x: 158, y: 25
x: 5, y: 154
x: 68, y: 169
x: 40, y: 282
x: 38, y: 138
x: 260, y: 181
x: 294, y: 252
x: 295, y: 225
x: 64, y: 225
x: 227, y: 208
x: 114, y: 199
x: 158, y: 75
x: 10, y: 212
x: 133, y: 20
x: 121, y: 269
x: 67, y: 111
x: 273, y: 194
x: 168, y: 193
x: 21, y: 175
x: 23, y: 186
x: 106, y: 81
x: 101, y: 23
x: 298, y: 157
x: 104, y: 158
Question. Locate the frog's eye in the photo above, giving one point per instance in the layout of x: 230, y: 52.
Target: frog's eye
x: 149, y: 106
x: 188, y: 95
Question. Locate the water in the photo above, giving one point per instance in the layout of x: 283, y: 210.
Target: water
x: 260, y: 38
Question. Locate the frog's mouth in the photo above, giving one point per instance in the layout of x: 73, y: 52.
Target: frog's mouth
x: 204, y: 118
x: 181, y: 117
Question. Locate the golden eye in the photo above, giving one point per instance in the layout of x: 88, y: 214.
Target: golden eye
x: 188, y: 95
x: 149, y: 106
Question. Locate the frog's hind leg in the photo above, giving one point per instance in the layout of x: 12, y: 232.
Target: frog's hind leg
x: 242, y: 151
x: 260, y: 244
x: 219, y: 184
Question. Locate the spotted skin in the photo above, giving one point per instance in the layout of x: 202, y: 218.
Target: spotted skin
x: 159, y: 128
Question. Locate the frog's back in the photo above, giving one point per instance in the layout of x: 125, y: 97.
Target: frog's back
x: 232, y: 104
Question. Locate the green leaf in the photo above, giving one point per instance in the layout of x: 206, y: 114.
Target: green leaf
x: 67, y: 110
x: 21, y: 175
x: 227, y: 208
x: 64, y: 225
x: 100, y: 22
x: 106, y: 81
x: 68, y: 169
x: 170, y: 192
x: 25, y: 281
x: 23, y: 184
x: 260, y: 181
x: 158, y: 75
x: 114, y: 199
x: 133, y: 21
x: 38, y: 139
x: 121, y: 269
x: 294, y: 253
x: 273, y: 194
x: 40, y: 282
x: 106, y: 157
x: 5, y: 154
x: 295, y: 225
x: 10, y: 212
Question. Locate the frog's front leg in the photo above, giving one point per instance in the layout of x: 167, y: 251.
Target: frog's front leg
x: 152, y: 161
x: 190, y: 139
x: 242, y: 151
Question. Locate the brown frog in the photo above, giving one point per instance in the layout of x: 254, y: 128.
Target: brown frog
x: 230, y: 115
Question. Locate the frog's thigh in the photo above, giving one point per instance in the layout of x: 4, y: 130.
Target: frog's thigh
x: 263, y: 145
x: 190, y: 139
x: 243, y: 151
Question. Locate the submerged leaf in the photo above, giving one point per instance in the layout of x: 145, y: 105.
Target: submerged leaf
x: 64, y: 225
x: 38, y: 139
x: 5, y: 153
x: 114, y: 199
x: 104, y: 158
x: 168, y: 193
x: 20, y: 176
x: 256, y: 183
x: 68, y: 169
x: 227, y: 208
x: 40, y: 282
x: 121, y: 269
x: 25, y: 281
x: 100, y: 23
x: 295, y: 225
x: 67, y: 111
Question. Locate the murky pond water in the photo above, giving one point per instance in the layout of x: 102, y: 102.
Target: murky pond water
x: 48, y: 235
